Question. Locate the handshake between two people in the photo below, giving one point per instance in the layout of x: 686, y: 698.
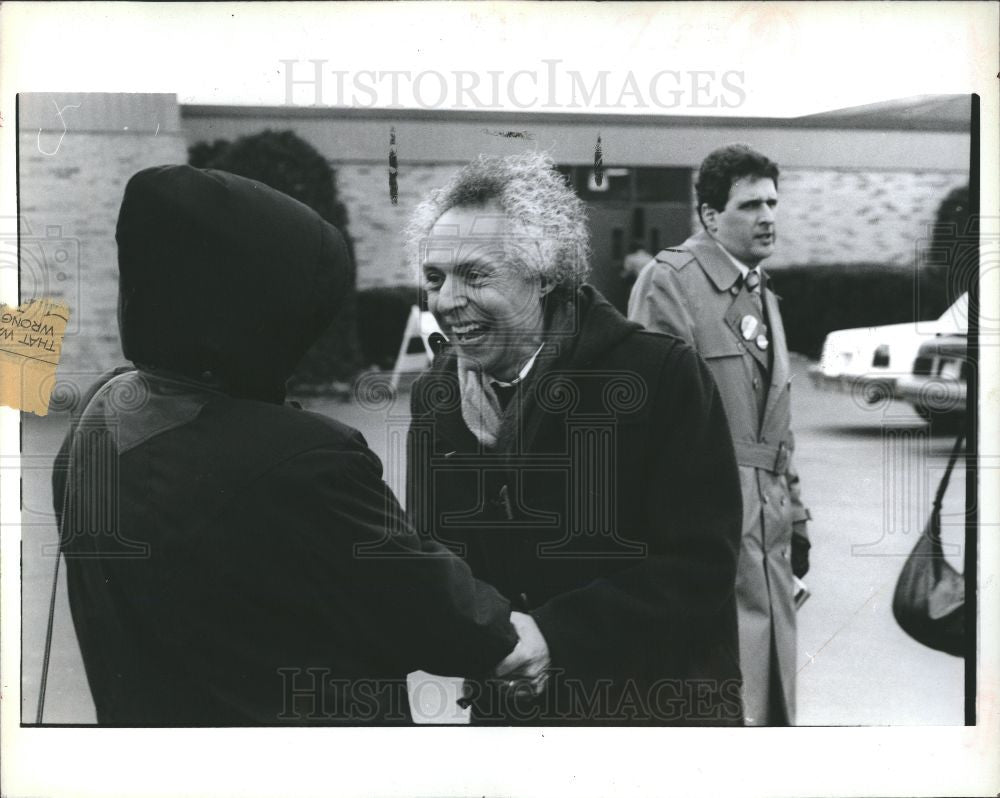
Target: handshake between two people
x: 526, y: 669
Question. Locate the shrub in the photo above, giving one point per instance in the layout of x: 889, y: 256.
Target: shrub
x: 382, y: 316
x: 954, y: 243
x: 815, y: 300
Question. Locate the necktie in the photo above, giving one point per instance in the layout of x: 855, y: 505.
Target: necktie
x: 752, y: 281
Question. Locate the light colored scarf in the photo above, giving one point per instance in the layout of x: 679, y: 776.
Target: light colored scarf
x: 480, y: 407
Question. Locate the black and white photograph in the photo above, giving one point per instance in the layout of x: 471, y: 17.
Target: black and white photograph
x: 420, y: 391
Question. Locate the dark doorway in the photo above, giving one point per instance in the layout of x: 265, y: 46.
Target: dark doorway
x: 648, y: 205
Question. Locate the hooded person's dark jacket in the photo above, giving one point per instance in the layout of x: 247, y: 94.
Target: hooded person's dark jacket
x: 609, y: 509
x: 231, y: 559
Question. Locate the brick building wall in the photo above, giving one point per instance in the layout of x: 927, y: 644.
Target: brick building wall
x: 375, y: 223
x: 71, y: 183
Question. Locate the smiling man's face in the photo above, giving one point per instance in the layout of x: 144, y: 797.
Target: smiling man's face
x: 491, y: 310
x: 745, y: 227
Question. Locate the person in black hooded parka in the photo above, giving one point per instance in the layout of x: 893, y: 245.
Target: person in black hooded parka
x: 231, y: 559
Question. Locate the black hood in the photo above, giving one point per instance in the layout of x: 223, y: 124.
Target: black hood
x: 224, y: 275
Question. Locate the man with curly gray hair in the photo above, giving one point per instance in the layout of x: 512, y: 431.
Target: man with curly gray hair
x: 580, y: 464
x: 546, y: 233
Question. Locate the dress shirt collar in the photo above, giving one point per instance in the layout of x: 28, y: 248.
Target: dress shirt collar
x: 522, y: 373
x: 744, y: 269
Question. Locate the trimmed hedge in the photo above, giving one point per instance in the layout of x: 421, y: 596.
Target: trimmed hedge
x: 382, y: 315
x: 815, y: 300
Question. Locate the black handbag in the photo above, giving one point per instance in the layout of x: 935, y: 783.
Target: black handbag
x: 929, y: 602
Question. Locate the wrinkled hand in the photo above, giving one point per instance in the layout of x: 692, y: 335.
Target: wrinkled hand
x: 528, y: 663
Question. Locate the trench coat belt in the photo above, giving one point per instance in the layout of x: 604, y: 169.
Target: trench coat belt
x: 762, y: 455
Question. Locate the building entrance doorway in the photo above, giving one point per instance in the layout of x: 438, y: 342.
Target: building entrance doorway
x: 648, y: 206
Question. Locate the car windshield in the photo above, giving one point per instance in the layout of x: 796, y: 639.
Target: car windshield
x: 956, y: 318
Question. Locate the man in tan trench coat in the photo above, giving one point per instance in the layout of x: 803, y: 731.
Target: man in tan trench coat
x: 710, y: 292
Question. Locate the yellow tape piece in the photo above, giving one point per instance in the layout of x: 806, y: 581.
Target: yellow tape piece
x: 30, y: 345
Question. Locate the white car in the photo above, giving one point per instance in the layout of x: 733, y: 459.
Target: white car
x: 938, y: 386
x: 868, y: 361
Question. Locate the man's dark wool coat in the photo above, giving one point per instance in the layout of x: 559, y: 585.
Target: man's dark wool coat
x: 230, y: 559
x: 610, y: 509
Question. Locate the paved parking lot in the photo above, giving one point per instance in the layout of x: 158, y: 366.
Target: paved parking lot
x: 868, y: 475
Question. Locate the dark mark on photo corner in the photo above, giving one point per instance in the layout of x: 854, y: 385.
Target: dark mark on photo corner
x: 510, y: 134
x: 598, y: 162
x: 393, y: 168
